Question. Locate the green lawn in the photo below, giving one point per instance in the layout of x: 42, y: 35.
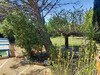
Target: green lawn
x: 73, y: 41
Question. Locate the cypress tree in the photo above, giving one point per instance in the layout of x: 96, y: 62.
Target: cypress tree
x: 96, y: 15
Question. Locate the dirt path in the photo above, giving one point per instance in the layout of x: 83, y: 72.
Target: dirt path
x: 16, y: 66
x: 12, y: 67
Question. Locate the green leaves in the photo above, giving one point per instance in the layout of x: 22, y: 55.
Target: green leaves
x: 87, y: 23
x: 26, y: 34
x: 65, y: 22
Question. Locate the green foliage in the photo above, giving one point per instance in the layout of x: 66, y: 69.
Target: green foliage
x: 65, y: 22
x: 96, y: 19
x: 88, y: 28
x: 97, y: 36
x: 88, y: 18
x: 56, y: 23
x: 84, y: 64
x: 91, y: 31
x: 96, y: 15
x: 25, y: 31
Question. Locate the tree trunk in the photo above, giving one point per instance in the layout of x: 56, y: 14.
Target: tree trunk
x: 66, y: 42
x: 45, y: 36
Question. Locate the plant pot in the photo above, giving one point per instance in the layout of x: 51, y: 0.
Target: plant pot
x: 98, y: 63
x: 98, y: 67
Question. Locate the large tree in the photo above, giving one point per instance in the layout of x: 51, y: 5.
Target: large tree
x: 38, y: 9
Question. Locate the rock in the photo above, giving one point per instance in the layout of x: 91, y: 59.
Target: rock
x: 37, y: 70
x: 47, y: 62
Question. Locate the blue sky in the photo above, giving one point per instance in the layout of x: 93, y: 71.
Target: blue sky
x: 85, y: 3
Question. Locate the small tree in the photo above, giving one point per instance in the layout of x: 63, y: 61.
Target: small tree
x: 67, y: 23
x: 87, y: 24
x: 89, y: 30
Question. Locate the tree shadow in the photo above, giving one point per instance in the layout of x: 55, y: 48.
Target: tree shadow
x: 21, y: 63
x: 15, y: 66
x: 70, y: 49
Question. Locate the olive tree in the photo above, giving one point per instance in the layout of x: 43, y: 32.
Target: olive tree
x: 66, y: 23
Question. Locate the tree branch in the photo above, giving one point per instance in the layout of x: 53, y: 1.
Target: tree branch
x: 68, y: 3
x: 51, y: 8
x: 24, y: 2
x: 42, y: 4
x: 45, y: 7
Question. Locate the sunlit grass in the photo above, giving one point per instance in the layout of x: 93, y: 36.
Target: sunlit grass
x: 73, y: 41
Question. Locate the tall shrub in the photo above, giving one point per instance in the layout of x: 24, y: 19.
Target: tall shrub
x: 22, y: 29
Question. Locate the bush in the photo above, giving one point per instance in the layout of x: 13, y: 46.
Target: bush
x: 85, y: 64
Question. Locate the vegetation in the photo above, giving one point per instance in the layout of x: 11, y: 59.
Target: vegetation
x: 85, y: 64
x: 37, y: 13
x: 96, y: 15
x: 18, y: 25
x: 66, y: 23
x: 27, y: 25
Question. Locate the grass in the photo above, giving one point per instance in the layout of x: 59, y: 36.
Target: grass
x: 73, y: 41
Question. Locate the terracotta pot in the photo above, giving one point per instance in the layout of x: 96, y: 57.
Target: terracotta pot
x: 98, y: 63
